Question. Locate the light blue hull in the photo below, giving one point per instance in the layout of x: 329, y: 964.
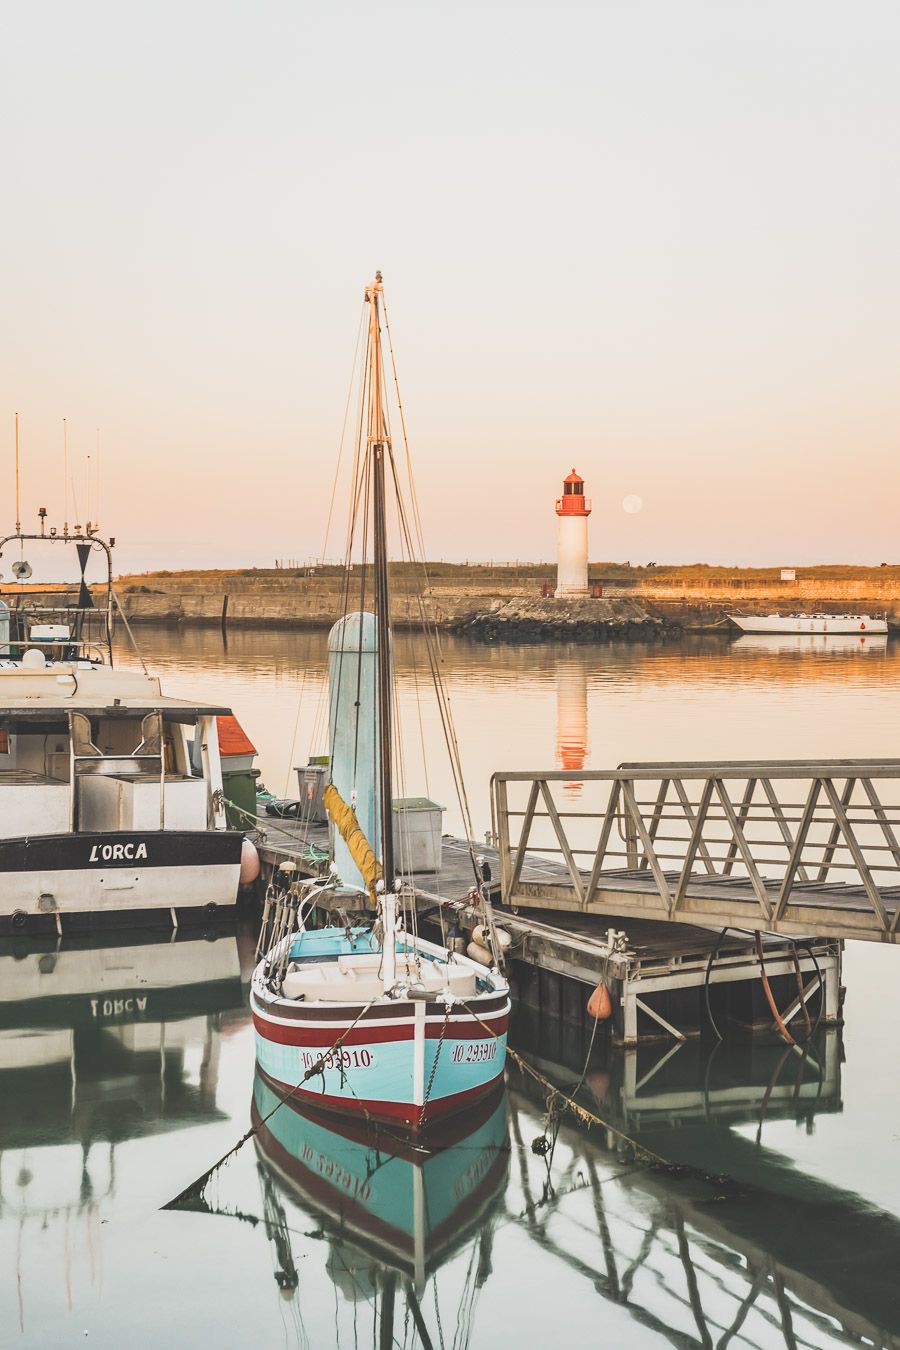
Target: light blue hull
x: 404, y: 1060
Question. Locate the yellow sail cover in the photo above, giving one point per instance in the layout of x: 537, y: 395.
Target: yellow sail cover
x: 351, y: 832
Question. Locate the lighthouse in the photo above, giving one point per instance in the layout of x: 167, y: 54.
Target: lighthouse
x: 572, y: 510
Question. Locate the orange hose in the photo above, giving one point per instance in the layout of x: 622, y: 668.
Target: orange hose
x: 768, y: 988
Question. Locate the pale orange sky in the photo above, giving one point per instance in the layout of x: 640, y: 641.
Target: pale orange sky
x: 656, y: 241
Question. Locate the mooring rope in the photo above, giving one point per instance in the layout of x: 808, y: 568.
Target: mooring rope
x: 196, y: 1188
x: 556, y: 1098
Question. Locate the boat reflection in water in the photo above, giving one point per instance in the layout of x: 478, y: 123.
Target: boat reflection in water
x: 92, y: 1036
x: 388, y: 1208
x: 813, y: 644
x: 738, y: 1246
x: 100, y: 1045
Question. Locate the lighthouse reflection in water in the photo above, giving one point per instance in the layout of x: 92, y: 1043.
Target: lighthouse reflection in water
x: 571, y: 717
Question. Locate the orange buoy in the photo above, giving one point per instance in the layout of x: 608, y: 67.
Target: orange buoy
x: 600, y: 1003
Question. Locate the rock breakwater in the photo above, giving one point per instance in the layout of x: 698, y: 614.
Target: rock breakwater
x: 578, y: 620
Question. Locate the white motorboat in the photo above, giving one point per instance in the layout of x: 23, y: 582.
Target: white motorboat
x: 809, y: 623
x: 102, y: 818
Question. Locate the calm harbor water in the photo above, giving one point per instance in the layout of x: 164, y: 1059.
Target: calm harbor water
x: 126, y: 1070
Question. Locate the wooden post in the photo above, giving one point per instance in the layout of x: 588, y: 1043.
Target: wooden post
x: 502, y: 801
x: 224, y: 615
x: 631, y: 834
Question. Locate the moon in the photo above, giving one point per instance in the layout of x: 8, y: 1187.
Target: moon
x: 632, y: 504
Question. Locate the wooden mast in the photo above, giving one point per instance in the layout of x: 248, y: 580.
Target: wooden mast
x: 379, y: 448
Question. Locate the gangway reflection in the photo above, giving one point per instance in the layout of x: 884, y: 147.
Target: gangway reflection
x: 737, y: 1243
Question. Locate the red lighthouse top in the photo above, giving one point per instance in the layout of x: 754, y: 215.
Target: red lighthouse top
x: 573, y: 501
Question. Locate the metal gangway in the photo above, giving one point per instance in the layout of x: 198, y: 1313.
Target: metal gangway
x: 799, y: 847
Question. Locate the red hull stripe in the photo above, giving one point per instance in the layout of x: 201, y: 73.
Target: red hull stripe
x: 315, y: 1036
x: 402, y: 1112
x: 442, y: 1134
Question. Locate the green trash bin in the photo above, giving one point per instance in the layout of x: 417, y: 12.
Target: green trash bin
x: 239, y: 786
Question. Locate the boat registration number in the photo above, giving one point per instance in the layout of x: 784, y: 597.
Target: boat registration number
x: 340, y: 1059
x: 474, y: 1052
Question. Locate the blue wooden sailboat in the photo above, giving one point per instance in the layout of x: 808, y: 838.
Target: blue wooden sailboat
x: 369, y: 1019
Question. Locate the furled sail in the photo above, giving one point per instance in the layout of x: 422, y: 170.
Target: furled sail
x: 361, y: 852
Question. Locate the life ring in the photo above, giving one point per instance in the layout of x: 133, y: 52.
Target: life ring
x: 862, y: 625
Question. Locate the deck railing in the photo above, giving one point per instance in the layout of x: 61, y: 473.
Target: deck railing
x: 796, y: 846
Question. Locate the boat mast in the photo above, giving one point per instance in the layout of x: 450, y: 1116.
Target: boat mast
x: 379, y: 447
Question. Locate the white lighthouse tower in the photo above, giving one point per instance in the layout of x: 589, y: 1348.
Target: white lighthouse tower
x: 572, y: 510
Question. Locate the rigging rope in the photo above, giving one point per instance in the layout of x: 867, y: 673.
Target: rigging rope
x: 340, y: 455
x: 196, y: 1188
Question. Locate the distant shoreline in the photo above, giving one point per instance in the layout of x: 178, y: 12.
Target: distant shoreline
x: 508, y: 602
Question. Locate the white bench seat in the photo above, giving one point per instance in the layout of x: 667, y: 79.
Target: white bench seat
x: 358, y: 979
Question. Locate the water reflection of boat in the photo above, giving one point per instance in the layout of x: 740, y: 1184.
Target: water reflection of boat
x: 93, y: 1038
x: 406, y: 1207
x: 101, y: 1045
x: 812, y: 644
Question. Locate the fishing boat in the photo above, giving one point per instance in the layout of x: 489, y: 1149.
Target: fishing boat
x: 103, y: 819
x: 369, y: 1018
x: 828, y: 624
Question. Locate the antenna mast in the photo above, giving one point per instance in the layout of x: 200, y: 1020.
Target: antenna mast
x: 65, y: 480
x: 18, y: 512
x: 379, y: 446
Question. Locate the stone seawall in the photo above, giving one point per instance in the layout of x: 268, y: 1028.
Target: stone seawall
x: 499, y: 608
x: 492, y: 618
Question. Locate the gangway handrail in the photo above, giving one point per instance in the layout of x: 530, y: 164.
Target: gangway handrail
x: 717, y: 844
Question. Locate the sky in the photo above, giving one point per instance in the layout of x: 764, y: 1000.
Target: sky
x: 655, y: 241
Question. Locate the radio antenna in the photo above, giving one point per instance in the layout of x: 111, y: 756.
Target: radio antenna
x: 18, y: 512
x: 65, y: 479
